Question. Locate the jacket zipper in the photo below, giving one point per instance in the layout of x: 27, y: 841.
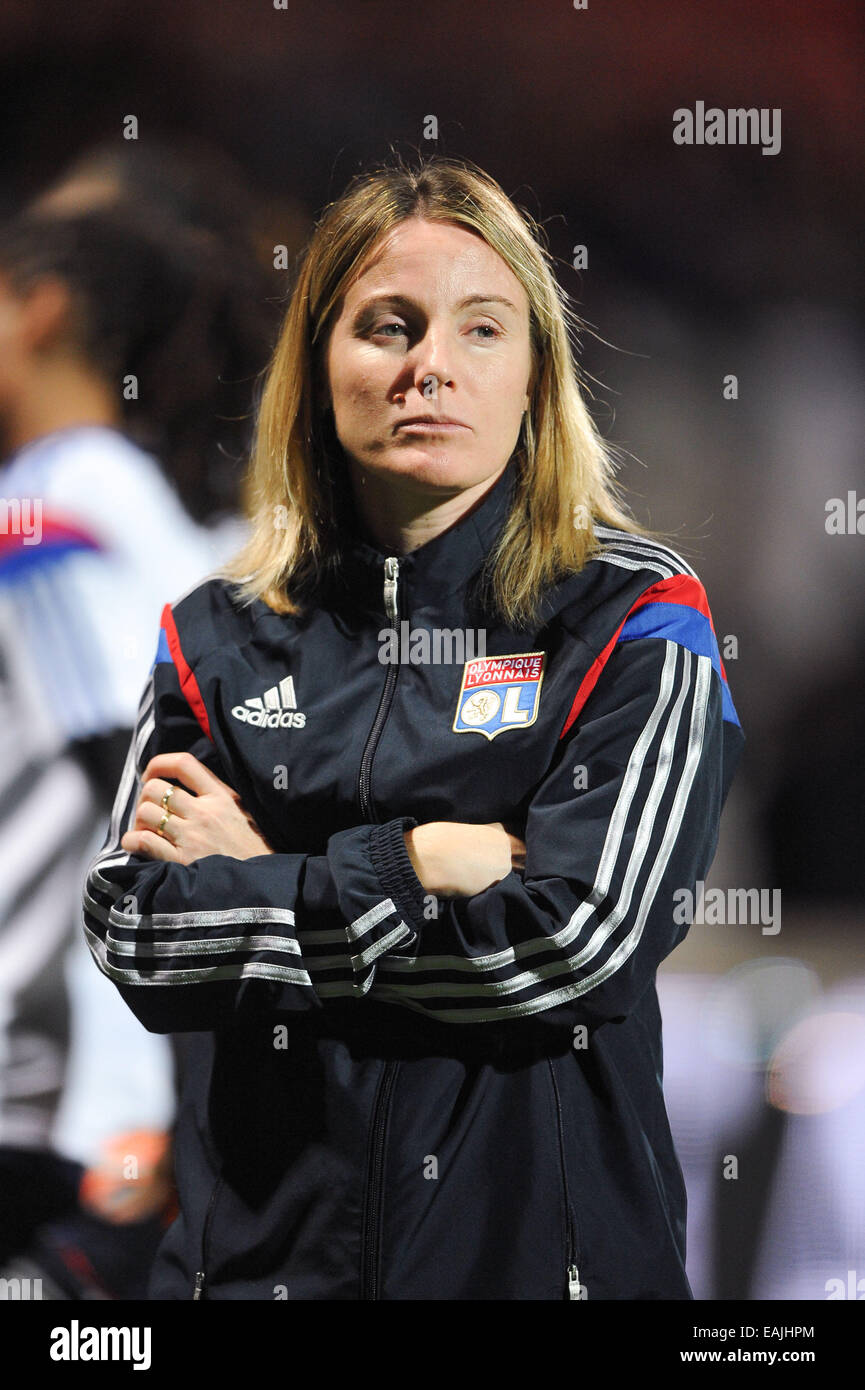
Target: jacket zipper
x: 372, y: 1219
x: 371, y: 1237
x: 391, y: 608
x: 572, y: 1272
x: 372, y: 1210
x: 200, y: 1277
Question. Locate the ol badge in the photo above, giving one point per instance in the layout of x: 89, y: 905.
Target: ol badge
x: 499, y: 693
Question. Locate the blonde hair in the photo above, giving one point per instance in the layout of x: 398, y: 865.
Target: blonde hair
x: 296, y: 488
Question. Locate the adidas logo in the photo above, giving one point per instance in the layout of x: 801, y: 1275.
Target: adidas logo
x: 275, y: 709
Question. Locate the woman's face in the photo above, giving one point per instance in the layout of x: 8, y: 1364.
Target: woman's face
x: 436, y: 329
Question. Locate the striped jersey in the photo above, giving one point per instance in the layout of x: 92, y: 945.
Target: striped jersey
x: 92, y: 542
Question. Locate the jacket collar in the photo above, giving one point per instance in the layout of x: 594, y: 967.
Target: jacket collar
x: 441, y: 566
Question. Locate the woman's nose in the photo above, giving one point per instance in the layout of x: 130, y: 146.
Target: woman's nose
x: 431, y: 368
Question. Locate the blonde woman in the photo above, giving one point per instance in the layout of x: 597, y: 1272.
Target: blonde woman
x: 412, y: 791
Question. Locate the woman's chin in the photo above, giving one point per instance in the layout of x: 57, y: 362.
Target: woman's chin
x: 431, y: 466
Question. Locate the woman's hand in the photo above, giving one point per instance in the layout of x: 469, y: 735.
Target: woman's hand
x: 211, y: 821
x: 453, y: 859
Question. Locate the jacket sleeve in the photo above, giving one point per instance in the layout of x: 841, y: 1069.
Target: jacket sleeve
x: 186, y: 945
x: 626, y: 815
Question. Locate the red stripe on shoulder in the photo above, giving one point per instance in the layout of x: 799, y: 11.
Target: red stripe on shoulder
x: 591, y: 678
x: 679, y: 588
x: 188, y: 683
x: 684, y: 589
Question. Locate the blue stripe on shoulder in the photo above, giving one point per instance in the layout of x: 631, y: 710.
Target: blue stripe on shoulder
x: 679, y: 623
x: 163, y: 652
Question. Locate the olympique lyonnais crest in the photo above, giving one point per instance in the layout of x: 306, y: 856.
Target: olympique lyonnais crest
x: 499, y: 693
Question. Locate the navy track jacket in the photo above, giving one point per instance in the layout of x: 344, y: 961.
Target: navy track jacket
x: 389, y: 1095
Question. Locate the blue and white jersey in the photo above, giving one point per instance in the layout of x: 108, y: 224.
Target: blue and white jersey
x: 93, y: 541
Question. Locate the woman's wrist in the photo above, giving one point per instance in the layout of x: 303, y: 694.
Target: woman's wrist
x: 434, y: 854
x: 456, y: 859
x: 417, y: 847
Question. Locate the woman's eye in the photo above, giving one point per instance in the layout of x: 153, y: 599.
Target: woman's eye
x: 486, y: 329
x: 389, y: 330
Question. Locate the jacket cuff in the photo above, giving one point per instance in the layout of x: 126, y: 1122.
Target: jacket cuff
x: 367, y: 877
x: 392, y: 863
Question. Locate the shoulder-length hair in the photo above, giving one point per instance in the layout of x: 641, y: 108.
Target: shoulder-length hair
x: 297, y: 482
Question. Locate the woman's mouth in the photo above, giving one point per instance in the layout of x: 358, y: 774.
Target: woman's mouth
x: 430, y: 424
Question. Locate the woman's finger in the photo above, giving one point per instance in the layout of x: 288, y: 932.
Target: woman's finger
x: 183, y: 767
x: 152, y: 845
x: 151, y: 816
x: 180, y: 803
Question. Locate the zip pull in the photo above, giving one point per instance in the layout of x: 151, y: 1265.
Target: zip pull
x: 199, y: 1285
x: 391, y: 579
x: 573, y: 1282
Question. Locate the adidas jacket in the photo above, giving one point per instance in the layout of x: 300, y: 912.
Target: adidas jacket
x: 391, y: 1096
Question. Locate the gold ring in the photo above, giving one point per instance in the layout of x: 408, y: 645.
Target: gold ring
x: 160, y: 829
x: 166, y: 797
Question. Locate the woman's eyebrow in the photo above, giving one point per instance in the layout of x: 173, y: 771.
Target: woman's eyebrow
x: 385, y: 297
x: 487, y: 299
x: 375, y: 301
x: 403, y: 301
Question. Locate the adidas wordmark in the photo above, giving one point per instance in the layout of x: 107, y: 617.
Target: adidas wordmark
x: 275, y: 709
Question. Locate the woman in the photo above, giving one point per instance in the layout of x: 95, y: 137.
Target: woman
x: 411, y: 792
x: 101, y: 288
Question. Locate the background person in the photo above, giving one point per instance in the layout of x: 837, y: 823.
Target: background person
x: 117, y: 319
